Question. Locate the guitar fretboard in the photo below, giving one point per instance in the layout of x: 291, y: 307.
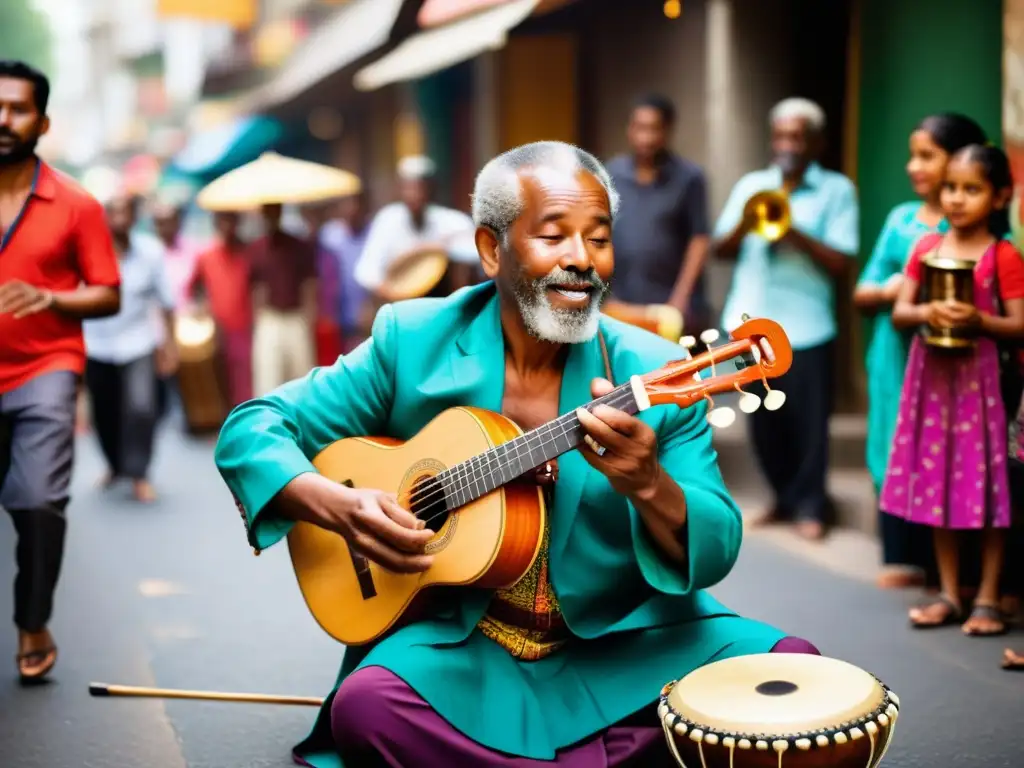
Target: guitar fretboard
x: 492, y: 469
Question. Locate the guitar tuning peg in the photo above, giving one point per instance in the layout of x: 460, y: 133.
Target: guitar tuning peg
x: 774, y: 400
x: 688, y: 341
x: 710, y: 336
x: 722, y: 417
x: 749, y: 402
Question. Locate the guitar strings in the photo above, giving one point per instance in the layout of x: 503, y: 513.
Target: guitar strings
x: 466, y: 474
x: 440, y: 484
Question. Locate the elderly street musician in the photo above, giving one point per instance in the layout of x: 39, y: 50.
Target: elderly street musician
x: 565, y: 665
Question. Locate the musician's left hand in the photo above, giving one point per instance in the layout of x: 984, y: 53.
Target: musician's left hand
x: 630, y: 456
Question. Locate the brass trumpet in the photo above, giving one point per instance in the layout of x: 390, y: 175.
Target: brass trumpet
x: 770, y: 210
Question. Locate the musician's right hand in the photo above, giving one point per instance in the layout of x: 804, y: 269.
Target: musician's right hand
x: 372, y: 522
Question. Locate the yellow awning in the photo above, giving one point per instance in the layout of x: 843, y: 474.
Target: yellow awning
x: 436, y: 49
x: 240, y: 14
x: 355, y: 30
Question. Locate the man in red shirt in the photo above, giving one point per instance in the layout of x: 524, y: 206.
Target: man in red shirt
x: 222, y: 276
x: 57, y: 267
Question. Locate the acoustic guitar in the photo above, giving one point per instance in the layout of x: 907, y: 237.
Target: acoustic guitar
x: 465, y: 474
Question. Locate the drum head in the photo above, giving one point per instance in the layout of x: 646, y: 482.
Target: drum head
x: 776, y: 693
x: 195, y: 336
x: 416, y: 277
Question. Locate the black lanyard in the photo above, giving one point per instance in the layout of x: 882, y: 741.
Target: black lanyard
x: 6, y: 238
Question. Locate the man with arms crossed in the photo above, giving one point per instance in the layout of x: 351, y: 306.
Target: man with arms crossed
x: 57, y: 267
x: 565, y: 665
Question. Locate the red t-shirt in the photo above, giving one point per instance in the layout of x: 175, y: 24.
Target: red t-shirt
x: 1009, y: 265
x: 60, y: 242
x: 224, y: 276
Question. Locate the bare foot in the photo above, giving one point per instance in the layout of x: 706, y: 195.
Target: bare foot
x: 144, y: 491
x: 36, y: 655
x: 899, y: 578
x: 773, y: 516
x: 811, y: 530
x: 1013, y: 660
x: 106, y: 480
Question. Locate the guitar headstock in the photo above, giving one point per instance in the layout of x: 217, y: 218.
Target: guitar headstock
x: 759, y: 350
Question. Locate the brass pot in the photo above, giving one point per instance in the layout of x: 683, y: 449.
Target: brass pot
x: 945, y: 279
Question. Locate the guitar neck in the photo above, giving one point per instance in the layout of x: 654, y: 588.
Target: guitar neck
x: 492, y: 469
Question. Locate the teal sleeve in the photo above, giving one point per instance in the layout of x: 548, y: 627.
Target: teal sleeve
x: 714, y: 524
x: 268, y: 442
x: 885, y: 260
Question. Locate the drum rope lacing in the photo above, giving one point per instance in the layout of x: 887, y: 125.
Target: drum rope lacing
x: 883, y: 715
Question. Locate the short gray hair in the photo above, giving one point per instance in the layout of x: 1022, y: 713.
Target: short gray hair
x: 802, y: 109
x: 497, y: 198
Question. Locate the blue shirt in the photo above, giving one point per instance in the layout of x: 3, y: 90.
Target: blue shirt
x: 781, y: 283
x: 132, y: 332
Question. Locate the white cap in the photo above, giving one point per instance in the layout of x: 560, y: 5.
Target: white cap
x: 416, y: 167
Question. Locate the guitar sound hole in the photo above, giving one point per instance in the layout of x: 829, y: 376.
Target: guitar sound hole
x: 427, y: 502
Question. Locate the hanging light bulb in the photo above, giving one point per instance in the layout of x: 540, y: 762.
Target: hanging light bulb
x: 673, y: 9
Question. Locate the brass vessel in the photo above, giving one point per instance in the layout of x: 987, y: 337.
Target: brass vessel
x: 945, y: 279
x: 771, y: 211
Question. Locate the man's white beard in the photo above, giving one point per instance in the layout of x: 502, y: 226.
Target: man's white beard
x: 559, y: 326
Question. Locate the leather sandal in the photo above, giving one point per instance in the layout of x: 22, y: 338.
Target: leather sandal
x: 985, y: 611
x: 47, y: 655
x: 954, y: 614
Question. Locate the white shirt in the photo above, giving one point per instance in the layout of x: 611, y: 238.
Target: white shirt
x: 392, y: 235
x: 131, y: 333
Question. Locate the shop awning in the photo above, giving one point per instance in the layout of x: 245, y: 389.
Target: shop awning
x: 354, y: 31
x: 436, y: 49
x: 218, y: 150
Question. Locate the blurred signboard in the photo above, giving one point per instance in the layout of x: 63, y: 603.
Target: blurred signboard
x: 240, y: 14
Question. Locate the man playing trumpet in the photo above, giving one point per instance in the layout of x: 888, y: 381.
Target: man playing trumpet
x: 792, y: 281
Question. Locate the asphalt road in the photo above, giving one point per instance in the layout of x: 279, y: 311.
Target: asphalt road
x: 171, y: 596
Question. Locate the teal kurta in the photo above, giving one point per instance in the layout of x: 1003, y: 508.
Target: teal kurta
x: 886, y: 358
x: 641, y: 621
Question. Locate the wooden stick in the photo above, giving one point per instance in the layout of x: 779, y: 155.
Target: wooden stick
x: 103, y: 689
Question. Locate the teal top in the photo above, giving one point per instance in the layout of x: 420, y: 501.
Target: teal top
x: 886, y: 357
x: 639, y: 621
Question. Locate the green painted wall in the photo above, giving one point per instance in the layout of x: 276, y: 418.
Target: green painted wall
x: 920, y: 57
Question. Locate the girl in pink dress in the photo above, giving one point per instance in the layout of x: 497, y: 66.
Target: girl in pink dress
x: 948, y: 462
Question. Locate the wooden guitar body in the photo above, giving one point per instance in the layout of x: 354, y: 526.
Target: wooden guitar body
x: 490, y: 542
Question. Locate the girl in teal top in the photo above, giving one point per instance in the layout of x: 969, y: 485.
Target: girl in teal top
x: 931, y: 144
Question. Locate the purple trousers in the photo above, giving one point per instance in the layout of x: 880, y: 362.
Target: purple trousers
x: 378, y: 721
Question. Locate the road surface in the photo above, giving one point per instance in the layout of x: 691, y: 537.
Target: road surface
x: 170, y: 595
